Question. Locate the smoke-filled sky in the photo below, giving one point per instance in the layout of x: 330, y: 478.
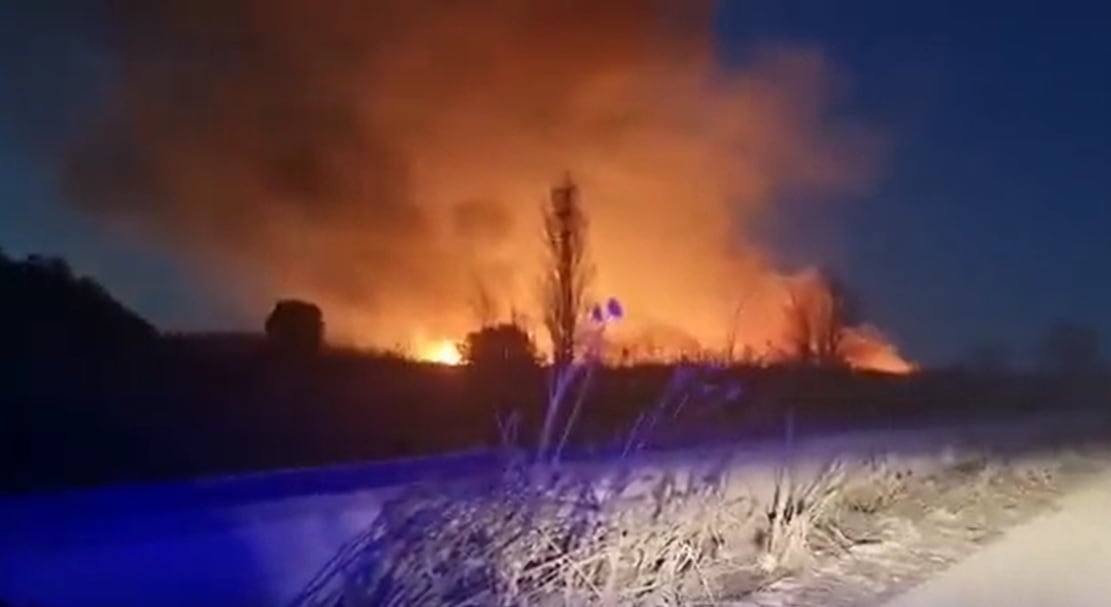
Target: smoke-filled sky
x: 385, y: 158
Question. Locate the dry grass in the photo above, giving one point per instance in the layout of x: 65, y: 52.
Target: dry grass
x: 875, y: 485
x: 734, y: 534
x: 801, y: 518
x: 542, y: 536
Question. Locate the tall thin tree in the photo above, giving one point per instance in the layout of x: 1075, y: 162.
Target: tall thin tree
x: 568, y: 272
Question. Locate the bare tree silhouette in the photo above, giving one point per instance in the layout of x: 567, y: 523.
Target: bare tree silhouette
x: 819, y: 311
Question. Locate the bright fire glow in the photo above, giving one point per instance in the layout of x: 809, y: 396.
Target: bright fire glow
x: 442, y: 352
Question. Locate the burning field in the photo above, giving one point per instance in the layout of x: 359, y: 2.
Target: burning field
x: 387, y: 159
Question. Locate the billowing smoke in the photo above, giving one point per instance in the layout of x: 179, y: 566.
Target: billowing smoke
x: 388, y: 158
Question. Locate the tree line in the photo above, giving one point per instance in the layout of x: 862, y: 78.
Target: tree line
x: 91, y: 392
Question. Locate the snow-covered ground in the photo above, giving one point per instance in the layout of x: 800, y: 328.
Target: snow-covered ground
x: 1062, y: 558
x: 256, y: 539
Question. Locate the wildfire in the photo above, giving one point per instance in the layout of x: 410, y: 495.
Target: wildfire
x: 441, y: 352
x: 425, y: 165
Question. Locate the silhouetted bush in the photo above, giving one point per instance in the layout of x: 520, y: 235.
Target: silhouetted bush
x: 504, y: 346
x: 503, y: 373
x: 296, y: 326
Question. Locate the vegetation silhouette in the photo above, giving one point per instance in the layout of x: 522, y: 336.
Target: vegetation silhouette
x: 568, y: 272
x: 501, y: 347
x: 820, y: 310
x: 48, y: 308
x: 296, y: 327
x: 93, y: 394
x: 503, y: 369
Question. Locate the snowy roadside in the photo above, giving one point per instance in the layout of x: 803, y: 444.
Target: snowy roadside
x: 885, y: 516
x: 982, y: 531
x: 1060, y: 558
x: 254, y: 540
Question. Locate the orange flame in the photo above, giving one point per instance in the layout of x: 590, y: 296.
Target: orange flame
x: 441, y: 352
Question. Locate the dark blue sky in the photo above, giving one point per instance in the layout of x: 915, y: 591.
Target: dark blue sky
x: 989, y: 219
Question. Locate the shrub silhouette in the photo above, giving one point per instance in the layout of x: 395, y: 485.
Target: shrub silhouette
x: 503, y: 372
x: 295, y: 326
x: 504, y: 346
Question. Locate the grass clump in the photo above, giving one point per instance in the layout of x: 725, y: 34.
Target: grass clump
x: 875, y: 486
x: 549, y: 537
x: 559, y: 542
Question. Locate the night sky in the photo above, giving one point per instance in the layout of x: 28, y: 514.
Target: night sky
x: 988, y: 219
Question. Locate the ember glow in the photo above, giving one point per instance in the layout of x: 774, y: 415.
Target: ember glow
x: 387, y: 158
